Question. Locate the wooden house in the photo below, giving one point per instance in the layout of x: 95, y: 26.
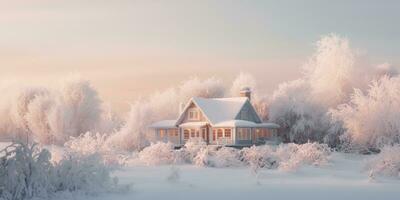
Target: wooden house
x: 218, y: 121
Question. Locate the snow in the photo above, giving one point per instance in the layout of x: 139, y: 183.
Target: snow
x: 163, y: 124
x: 244, y: 123
x: 220, y: 109
x: 236, y: 123
x: 193, y: 124
x: 342, y: 179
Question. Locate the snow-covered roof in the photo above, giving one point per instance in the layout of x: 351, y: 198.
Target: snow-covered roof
x: 218, y: 110
x: 268, y: 125
x: 244, y: 123
x: 163, y: 124
x: 193, y: 124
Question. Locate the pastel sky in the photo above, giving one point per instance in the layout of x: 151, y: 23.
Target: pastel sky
x: 131, y: 48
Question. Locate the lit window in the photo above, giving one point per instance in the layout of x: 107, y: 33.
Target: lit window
x: 197, y: 133
x: 163, y: 133
x: 214, y: 134
x: 228, y: 133
x: 244, y: 133
x: 219, y: 133
x: 186, y: 134
x: 176, y: 133
x: 192, y: 133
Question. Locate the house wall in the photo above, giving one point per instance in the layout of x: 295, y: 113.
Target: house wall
x: 168, y: 135
x: 186, y: 115
x: 257, y: 135
x: 248, y: 113
x: 188, y: 133
x: 222, y: 136
x: 240, y: 140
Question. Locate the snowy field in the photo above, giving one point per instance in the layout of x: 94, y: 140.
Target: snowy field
x: 344, y: 178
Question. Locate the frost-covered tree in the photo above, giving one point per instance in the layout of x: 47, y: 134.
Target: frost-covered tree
x: 372, y: 119
x: 332, y: 72
x: 51, y: 115
x: 301, y: 119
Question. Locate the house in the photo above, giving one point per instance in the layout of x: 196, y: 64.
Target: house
x: 218, y: 121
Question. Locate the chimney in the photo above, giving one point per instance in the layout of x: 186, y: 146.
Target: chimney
x: 246, y: 92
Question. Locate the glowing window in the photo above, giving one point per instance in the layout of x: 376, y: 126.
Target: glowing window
x: 228, y: 132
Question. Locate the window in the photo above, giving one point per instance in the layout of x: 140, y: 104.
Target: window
x: 192, y: 133
x: 163, y: 133
x: 214, y: 134
x: 193, y: 114
x: 244, y: 133
x: 197, y: 133
x: 228, y: 133
x: 219, y: 133
x: 171, y: 132
x: 176, y: 132
x: 259, y: 133
x: 186, y: 134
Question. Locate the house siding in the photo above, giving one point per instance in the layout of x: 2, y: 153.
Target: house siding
x: 248, y: 113
x: 186, y: 115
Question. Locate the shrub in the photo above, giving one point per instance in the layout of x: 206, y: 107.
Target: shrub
x: 27, y: 172
x: 386, y: 163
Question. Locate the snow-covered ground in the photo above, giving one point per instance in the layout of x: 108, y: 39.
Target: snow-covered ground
x: 344, y: 178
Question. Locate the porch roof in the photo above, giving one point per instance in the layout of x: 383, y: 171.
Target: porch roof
x: 245, y: 124
x: 164, y: 124
x: 193, y: 124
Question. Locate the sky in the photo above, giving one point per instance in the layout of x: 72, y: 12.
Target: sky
x: 129, y: 49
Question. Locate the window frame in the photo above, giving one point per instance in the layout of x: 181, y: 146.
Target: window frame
x: 186, y: 134
x: 193, y: 114
x: 228, y: 130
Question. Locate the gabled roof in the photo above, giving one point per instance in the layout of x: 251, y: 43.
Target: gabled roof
x: 217, y: 110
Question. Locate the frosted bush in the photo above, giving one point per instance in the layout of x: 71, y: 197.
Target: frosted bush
x: 287, y: 157
x: 192, y: 147
x: 159, y: 154
x: 259, y: 157
x: 227, y: 157
x: 88, y: 143
x: 96, y: 143
x: 292, y: 156
x: 85, y: 173
x: 386, y: 163
x: 27, y: 172
x: 202, y: 158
